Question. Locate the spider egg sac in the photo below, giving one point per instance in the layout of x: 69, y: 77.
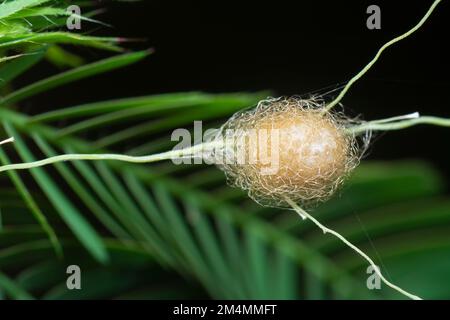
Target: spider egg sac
x: 287, y: 148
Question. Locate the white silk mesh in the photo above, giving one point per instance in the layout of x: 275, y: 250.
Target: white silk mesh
x: 298, y: 152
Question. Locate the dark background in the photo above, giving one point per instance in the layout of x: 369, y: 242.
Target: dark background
x: 289, y: 48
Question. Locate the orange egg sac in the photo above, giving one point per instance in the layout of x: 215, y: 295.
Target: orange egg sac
x: 287, y: 148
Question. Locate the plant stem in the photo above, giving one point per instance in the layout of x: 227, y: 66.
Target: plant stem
x: 380, y: 125
x: 413, y: 115
x: 380, y: 51
x: 9, y: 140
x: 305, y: 215
x: 173, y: 154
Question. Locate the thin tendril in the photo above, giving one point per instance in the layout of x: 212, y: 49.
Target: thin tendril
x: 9, y: 140
x: 305, y: 215
x: 413, y: 115
x: 173, y: 154
x: 372, y: 62
x: 377, y: 125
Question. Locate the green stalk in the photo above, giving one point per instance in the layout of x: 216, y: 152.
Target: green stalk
x: 172, y: 154
x: 380, y: 125
x: 380, y: 51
